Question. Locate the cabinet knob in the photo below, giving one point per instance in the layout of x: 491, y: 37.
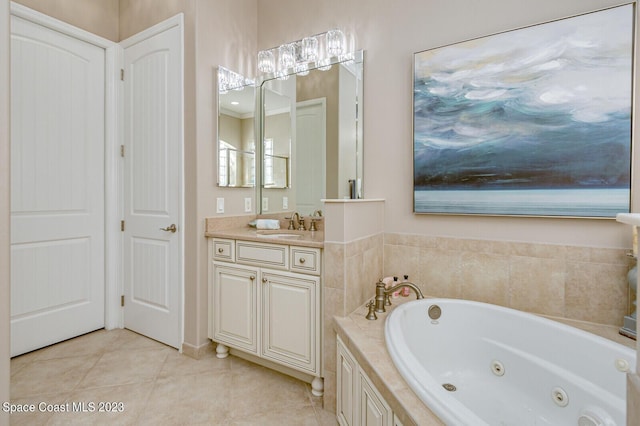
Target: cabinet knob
x: 265, y: 280
x: 252, y: 277
x: 302, y: 260
x: 220, y: 249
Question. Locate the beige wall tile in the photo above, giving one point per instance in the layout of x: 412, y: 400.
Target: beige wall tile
x: 485, y: 278
x: 334, y: 276
x: 410, y: 240
x: 585, y: 283
x: 401, y: 260
x: 596, y: 292
x: 439, y: 272
x: 537, y: 285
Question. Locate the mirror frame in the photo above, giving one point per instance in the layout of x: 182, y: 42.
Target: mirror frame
x: 357, y: 57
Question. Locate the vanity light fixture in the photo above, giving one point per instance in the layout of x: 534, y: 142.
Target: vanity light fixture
x: 314, y: 51
x: 231, y: 80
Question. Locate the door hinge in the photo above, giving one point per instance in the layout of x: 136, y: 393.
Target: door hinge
x: 122, y: 300
x: 121, y: 150
x: 122, y: 74
x: 122, y: 225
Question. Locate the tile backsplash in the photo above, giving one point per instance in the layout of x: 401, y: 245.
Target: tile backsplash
x: 583, y: 283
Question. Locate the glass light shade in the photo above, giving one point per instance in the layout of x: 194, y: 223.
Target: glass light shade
x: 335, y: 42
x: 309, y: 49
x: 301, y: 68
x: 266, y: 61
x: 223, y: 80
x: 286, y: 56
x: 324, y: 64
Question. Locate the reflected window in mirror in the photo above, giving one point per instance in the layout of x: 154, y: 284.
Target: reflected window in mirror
x: 236, y: 130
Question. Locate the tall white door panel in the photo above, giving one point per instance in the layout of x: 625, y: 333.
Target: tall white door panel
x: 57, y: 186
x: 310, y: 155
x: 153, y: 186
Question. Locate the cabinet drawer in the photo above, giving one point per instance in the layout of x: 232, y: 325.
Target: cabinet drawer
x: 223, y: 250
x: 305, y: 260
x: 262, y: 254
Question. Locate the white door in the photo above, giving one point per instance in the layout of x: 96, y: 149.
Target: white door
x: 310, y: 155
x: 57, y: 186
x: 153, y: 185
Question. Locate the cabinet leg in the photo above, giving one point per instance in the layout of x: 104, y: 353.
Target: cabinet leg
x: 222, y: 351
x: 317, y: 386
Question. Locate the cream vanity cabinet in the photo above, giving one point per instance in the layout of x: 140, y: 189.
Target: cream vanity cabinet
x: 358, y: 400
x: 265, y: 299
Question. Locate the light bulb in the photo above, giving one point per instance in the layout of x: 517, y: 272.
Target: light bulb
x: 309, y: 49
x: 335, y: 42
x: 286, y: 56
x: 266, y: 61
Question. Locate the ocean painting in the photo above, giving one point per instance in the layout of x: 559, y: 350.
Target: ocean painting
x: 535, y: 121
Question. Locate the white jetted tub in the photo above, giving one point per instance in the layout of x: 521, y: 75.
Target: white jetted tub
x: 482, y: 364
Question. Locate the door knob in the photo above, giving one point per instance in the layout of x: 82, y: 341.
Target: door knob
x: 171, y: 228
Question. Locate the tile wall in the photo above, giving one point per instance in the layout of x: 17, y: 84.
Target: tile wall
x: 350, y: 275
x: 580, y: 283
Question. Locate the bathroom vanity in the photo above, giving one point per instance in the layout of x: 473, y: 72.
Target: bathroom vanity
x: 265, y: 298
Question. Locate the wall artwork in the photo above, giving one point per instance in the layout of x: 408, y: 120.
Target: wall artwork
x: 530, y: 122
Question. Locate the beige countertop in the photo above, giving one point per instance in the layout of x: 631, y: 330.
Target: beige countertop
x: 365, y: 340
x: 298, y: 238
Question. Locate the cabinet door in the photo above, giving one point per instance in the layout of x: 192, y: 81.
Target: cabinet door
x: 374, y: 410
x: 346, y: 386
x: 235, y: 306
x: 290, y: 328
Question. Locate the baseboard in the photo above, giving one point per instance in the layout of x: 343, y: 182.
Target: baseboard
x: 197, y: 352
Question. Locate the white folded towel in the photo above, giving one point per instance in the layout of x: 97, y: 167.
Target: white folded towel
x: 268, y: 224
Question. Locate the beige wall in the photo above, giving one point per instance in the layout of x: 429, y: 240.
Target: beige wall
x: 226, y: 32
x: 5, y: 227
x: 390, y: 32
x: 98, y: 17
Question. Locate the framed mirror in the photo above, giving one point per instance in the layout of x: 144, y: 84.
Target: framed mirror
x: 311, y: 128
x: 236, y: 142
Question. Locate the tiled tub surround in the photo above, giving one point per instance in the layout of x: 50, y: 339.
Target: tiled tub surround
x: 581, y: 283
x: 351, y: 270
x: 365, y: 340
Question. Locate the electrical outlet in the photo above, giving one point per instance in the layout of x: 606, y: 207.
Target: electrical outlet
x: 247, y: 205
x: 265, y: 204
x: 285, y: 203
x: 220, y: 205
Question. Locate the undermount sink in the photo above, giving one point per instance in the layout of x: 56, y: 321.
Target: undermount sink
x: 281, y: 235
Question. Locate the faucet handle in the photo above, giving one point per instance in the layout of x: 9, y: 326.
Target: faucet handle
x: 371, y: 315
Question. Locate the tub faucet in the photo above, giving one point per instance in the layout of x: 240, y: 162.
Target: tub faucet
x: 382, y: 293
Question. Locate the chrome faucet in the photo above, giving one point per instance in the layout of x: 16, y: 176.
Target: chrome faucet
x: 382, y: 293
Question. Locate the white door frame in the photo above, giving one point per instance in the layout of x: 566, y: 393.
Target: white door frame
x: 113, y: 239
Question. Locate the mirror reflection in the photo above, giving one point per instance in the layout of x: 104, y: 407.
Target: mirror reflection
x: 312, y: 130
x: 276, y: 143
x: 236, y: 132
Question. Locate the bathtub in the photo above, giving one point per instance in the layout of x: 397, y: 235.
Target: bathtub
x: 481, y: 364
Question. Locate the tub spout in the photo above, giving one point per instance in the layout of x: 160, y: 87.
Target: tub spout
x: 382, y: 293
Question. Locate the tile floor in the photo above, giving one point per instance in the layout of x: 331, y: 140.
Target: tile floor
x: 156, y: 386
